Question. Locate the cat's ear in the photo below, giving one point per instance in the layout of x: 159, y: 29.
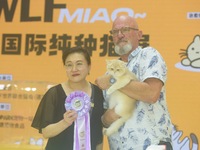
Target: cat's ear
x: 125, y: 63
x: 107, y: 61
x: 196, y: 38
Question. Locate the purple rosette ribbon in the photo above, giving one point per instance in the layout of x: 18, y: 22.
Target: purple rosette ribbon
x: 80, y: 102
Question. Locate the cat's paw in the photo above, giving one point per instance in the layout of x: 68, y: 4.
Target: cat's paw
x: 104, y: 131
x: 109, y: 91
x: 108, y: 132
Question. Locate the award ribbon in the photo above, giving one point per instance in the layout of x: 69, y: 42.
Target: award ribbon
x: 80, y: 102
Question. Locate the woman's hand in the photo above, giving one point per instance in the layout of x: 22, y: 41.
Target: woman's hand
x: 58, y: 127
x: 70, y: 116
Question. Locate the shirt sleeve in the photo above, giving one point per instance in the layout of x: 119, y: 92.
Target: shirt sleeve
x: 45, y: 110
x: 153, y: 65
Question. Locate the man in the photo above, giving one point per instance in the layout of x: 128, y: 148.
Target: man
x: 150, y: 123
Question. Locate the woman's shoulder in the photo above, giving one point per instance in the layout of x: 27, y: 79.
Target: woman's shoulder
x: 97, y: 91
x: 95, y: 87
x: 53, y: 88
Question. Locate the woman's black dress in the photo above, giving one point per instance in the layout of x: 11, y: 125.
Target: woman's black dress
x: 51, y: 110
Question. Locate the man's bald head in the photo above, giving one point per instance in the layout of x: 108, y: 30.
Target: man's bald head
x: 131, y: 21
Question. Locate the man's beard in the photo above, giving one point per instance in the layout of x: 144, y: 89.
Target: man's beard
x: 123, y: 50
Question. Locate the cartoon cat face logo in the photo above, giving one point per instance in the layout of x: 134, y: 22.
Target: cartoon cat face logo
x: 192, y: 54
x: 181, y: 142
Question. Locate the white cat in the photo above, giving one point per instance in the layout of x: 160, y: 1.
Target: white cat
x: 124, y: 105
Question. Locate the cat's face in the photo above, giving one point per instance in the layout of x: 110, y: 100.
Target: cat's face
x: 193, y: 50
x: 116, y: 67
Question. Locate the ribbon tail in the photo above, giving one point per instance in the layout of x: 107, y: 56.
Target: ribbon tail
x: 87, y: 128
x: 76, y: 137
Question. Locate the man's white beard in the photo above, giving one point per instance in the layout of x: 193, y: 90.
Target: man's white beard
x: 123, y: 50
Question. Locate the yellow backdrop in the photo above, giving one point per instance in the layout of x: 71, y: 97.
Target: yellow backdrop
x: 33, y: 34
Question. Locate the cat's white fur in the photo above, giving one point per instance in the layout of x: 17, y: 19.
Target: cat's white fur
x: 124, y: 105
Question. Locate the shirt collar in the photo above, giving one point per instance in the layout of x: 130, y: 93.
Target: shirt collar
x: 134, y: 53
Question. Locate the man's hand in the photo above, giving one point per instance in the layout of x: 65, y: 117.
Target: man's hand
x: 103, y: 82
x: 109, y: 117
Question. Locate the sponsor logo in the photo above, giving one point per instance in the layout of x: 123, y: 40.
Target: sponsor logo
x: 193, y: 15
x: 6, y: 77
x: 80, y: 15
x: 5, y: 107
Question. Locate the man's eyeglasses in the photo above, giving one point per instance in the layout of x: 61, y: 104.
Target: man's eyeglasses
x: 123, y: 30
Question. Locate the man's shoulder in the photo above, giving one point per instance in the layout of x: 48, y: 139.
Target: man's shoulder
x: 149, y: 48
x: 150, y: 51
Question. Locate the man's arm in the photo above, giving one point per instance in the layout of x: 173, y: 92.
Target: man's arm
x: 109, y: 117
x: 103, y: 82
x: 147, y: 91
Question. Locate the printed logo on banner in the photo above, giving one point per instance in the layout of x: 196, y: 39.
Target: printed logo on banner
x: 190, y: 57
x: 10, y: 8
x: 5, y: 107
x: 6, y: 77
x: 82, y: 15
x: 183, y: 143
x: 193, y: 15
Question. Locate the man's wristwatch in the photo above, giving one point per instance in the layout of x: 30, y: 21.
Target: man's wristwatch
x: 112, y: 80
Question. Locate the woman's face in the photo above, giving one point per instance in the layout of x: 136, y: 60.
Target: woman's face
x: 77, y: 67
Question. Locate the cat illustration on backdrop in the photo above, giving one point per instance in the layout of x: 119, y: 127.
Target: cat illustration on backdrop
x: 124, y: 105
x: 192, y: 54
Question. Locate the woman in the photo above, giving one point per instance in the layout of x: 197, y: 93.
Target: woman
x: 52, y: 119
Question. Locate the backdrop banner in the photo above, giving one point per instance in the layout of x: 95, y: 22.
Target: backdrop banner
x: 18, y: 103
x: 34, y: 33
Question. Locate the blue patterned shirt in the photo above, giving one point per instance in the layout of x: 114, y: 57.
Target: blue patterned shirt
x: 150, y: 123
